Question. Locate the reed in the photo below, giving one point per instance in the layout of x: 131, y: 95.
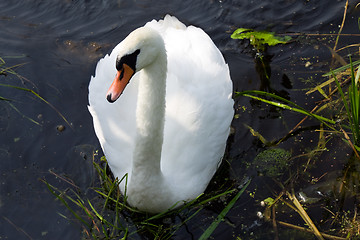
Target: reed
x: 351, y: 103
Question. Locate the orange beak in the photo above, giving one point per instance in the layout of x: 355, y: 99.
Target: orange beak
x: 121, y: 80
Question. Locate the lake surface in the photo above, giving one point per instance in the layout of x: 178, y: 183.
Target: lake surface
x: 60, y: 41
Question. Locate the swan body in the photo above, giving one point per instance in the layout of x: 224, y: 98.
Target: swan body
x: 168, y: 129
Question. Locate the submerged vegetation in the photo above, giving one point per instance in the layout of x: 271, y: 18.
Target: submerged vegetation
x: 272, y: 162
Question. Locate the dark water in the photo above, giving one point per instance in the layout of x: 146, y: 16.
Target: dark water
x: 61, y: 41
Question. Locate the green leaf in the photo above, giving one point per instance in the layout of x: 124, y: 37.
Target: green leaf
x: 258, y: 38
x: 269, y: 201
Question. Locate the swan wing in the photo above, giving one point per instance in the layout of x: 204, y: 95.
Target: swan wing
x: 199, y: 107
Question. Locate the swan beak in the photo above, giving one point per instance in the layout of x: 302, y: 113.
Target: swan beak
x: 121, y: 80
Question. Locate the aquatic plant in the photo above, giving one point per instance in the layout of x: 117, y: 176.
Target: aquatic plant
x: 343, y: 122
x: 272, y: 162
x: 5, y: 71
x: 259, y: 39
x: 352, y: 103
x: 283, y: 103
x: 108, y: 216
x: 338, y: 116
x: 350, y: 99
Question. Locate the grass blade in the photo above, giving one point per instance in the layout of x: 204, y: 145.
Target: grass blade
x: 341, y: 69
x: 294, y: 108
x: 4, y: 99
x: 51, y: 188
x: 38, y: 96
x: 352, y: 104
x: 221, y: 216
x: 24, y: 116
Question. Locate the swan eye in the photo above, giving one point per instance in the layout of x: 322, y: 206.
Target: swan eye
x: 122, y: 72
x: 119, y: 65
x: 128, y: 59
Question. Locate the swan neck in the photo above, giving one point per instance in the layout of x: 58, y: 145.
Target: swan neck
x: 150, y: 115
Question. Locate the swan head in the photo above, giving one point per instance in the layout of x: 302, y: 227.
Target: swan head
x: 137, y: 51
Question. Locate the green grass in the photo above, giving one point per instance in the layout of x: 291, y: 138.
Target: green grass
x: 352, y: 103
x: 222, y: 215
x: 350, y: 99
x: 107, y: 216
x: 283, y: 103
x: 6, y: 71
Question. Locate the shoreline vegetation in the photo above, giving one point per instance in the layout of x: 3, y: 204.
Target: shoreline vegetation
x: 108, y: 216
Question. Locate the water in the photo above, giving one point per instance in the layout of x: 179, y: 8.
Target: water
x: 61, y: 41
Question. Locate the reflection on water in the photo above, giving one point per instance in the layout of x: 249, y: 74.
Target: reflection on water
x: 60, y: 41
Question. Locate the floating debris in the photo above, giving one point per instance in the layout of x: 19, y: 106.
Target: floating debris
x: 60, y: 128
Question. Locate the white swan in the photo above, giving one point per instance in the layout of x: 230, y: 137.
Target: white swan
x: 168, y: 130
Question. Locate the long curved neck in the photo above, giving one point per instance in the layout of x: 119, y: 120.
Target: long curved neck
x: 150, y: 115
